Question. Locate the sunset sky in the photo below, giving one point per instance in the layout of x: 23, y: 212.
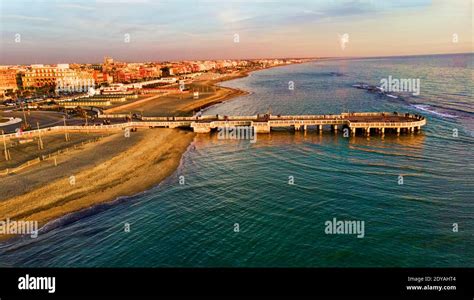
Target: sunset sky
x: 86, y: 31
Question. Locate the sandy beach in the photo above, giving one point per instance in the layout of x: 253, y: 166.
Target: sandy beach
x: 115, y: 166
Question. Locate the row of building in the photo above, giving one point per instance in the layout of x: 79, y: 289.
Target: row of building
x: 38, y: 76
x: 73, y: 77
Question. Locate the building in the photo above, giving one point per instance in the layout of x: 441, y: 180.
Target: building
x: 124, y: 76
x: 167, y: 71
x: 101, y: 77
x: 116, y: 88
x: 8, y: 80
x: 59, y: 76
x: 40, y: 75
x: 149, y: 72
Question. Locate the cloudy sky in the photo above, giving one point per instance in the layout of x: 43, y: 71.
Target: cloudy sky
x: 86, y: 31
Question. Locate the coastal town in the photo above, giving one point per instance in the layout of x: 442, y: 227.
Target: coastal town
x: 61, y: 125
x: 88, y: 127
x: 326, y: 145
x: 72, y: 88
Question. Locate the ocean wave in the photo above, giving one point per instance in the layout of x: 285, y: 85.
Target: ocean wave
x: 407, y: 100
x: 432, y: 110
x: 456, y: 111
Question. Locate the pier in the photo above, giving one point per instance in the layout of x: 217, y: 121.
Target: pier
x: 366, y: 123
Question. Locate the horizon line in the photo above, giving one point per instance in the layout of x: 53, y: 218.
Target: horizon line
x: 258, y: 58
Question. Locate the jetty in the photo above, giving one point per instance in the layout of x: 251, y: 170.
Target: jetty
x: 366, y: 122
x: 353, y: 122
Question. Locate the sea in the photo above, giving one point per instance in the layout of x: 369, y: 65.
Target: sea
x: 234, y: 203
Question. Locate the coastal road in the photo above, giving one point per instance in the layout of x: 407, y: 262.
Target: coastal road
x: 44, y: 118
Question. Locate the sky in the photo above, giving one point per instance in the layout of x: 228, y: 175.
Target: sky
x: 58, y: 31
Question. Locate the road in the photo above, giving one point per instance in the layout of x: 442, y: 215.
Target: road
x: 44, y: 118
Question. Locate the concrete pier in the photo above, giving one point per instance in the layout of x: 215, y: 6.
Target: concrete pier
x: 380, y: 121
x: 366, y: 121
x: 264, y: 123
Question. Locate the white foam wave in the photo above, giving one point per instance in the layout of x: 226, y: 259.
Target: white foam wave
x: 429, y: 109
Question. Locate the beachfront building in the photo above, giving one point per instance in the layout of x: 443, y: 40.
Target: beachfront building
x: 41, y: 75
x: 60, y: 75
x: 8, y: 80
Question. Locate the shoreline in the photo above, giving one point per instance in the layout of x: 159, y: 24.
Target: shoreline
x: 71, y: 217
x: 210, y: 93
x: 236, y: 92
x: 51, y: 206
x: 149, y: 151
x: 240, y: 92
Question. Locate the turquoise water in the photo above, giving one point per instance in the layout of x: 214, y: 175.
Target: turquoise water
x: 356, y: 178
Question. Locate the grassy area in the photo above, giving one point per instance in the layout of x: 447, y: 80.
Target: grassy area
x: 28, y: 150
